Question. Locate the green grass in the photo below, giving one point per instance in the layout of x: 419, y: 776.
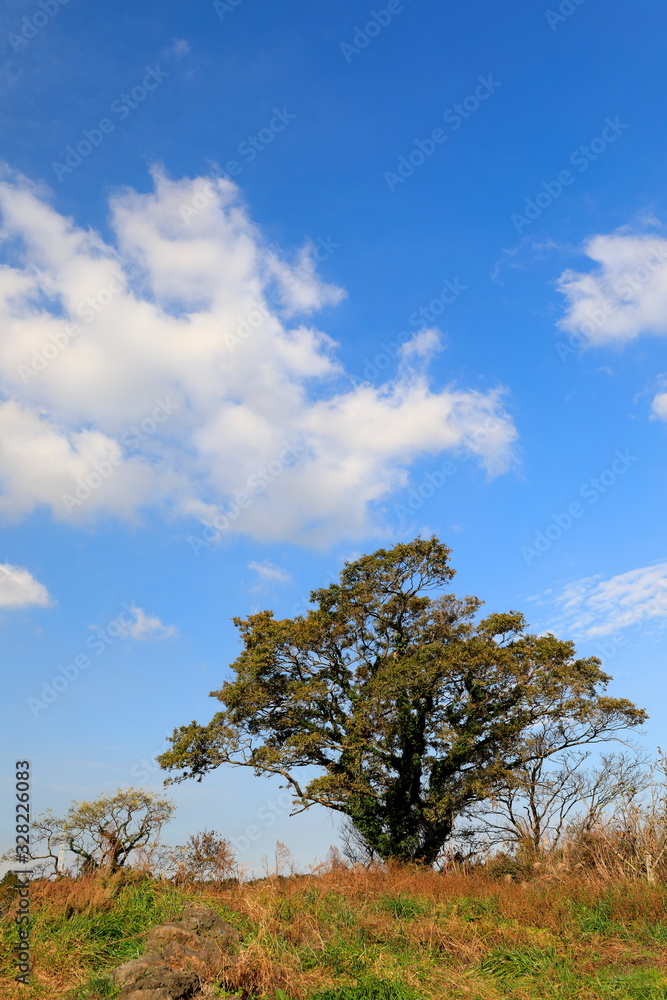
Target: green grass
x: 384, y: 935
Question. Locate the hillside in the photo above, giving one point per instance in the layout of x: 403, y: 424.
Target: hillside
x: 352, y: 934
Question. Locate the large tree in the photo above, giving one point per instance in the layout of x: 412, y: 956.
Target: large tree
x: 410, y: 706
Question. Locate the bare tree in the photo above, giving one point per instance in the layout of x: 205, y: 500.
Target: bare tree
x: 630, y: 840
x: 544, y: 801
x: 355, y: 846
x: 205, y: 857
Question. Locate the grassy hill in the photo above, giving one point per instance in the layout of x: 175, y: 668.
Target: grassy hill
x: 352, y: 934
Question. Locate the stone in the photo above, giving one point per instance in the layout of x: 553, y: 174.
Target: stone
x: 161, y: 983
x: 128, y: 973
x: 200, y: 940
x: 178, y: 956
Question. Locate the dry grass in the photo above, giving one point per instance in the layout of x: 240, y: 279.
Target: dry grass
x: 391, y: 933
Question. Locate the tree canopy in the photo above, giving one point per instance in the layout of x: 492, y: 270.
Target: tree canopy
x: 103, y: 833
x: 411, y: 706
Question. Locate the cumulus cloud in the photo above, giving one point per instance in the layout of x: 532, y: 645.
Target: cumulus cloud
x: 625, y: 293
x: 174, y: 366
x: 594, y: 606
x: 19, y: 589
x: 145, y: 627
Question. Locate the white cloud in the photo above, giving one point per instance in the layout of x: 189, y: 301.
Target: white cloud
x: 145, y: 627
x: 269, y: 573
x: 190, y: 308
x: 659, y: 406
x: 624, y: 295
x: 19, y: 589
x: 593, y: 606
x: 423, y: 345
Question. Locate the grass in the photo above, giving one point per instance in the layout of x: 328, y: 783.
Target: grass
x: 388, y: 934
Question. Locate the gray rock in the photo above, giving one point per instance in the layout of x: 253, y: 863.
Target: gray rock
x: 161, y: 983
x: 199, y: 943
x: 200, y: 940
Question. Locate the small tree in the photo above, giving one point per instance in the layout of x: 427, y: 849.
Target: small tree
x: 101, y: 834
x: 545, y: 800
x: 206, y: 856
x: 410, y: 708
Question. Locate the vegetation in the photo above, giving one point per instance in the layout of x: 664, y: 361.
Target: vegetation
x: 384, y: 933
x: 412, y: 709
x: 487, y: 856
x: 104, y: 833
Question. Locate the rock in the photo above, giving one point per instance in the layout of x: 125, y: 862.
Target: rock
x: 128, y: 973
x: 162, y: 983
x: 203, y: 920
x: 178, y: 956
x: 200, y: 940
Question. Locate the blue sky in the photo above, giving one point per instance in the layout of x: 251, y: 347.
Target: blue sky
x: 326, y: 276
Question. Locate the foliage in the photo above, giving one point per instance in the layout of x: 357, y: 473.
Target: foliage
x: 409, y: 707
x: 388, y: 933
x: 103, y: 833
